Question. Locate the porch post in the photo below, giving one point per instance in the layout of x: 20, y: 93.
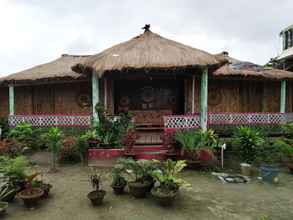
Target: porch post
x: 283, y: 97
x: 11, y: 100
x: 204, y: 100
x: 193, y: 95
x: 95, y: 95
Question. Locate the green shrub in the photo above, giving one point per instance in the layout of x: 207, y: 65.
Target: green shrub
x: 110, y: 132
x: 4, y: 126
x: 247, y: 142
x: 54, y: 140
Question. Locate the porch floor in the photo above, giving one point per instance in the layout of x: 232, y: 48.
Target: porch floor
x: 149, y: 138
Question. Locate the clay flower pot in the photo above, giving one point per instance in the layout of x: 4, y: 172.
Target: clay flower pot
x: 118, y: 190
x: 164, y: 199
x: 138, y: 189
x: 46, y: 188
x: 31, y: 197
x: 96, y: 197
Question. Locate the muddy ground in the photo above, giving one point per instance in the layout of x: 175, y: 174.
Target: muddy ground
x: 208, y: 199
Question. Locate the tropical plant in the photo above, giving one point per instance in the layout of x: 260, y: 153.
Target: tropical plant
x: 82, y: 145
x: 187, y: 139
x: 68, y: 151
x: 288, y: 130
x: 166, y: 177
x: 22, y: 133
x: 6, y: 189
x: 138, y: 171
x: 206, y: 139
x: 117, y: 179
x: 111, y: 131
x: 14, y: 169
x: 248, y: 141
x: 54, y: 138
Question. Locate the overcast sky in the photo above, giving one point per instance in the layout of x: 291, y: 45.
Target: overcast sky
x: 37, y: 31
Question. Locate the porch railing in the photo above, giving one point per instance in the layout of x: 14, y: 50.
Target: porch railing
x: 193, y: 121
x: 51, y: 120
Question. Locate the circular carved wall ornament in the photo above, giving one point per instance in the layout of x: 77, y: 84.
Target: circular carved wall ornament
x: 215, y: 97
x: 83, y: 100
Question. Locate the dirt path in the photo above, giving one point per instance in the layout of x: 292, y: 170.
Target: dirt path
x: 208, y: 199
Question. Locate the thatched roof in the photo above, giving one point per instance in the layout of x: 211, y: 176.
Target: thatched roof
x: 146, y: 51
x: 57, y: 69
x: 247, y: 69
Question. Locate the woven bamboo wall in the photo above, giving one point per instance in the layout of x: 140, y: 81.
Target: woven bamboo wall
x: 4, y: 111
x: 239, y: 96
x: 65, y: 98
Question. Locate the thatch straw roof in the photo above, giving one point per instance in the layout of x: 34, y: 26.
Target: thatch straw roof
x: 57, y: 69
x: 146, y: 51
x: 247, y: 69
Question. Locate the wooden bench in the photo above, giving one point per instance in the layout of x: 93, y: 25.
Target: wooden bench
x: 149, y: 119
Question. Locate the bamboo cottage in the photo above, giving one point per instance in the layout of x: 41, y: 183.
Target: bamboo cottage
x: 165, y: 84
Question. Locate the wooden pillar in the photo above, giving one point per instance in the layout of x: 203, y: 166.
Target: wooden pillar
x: 95, y: 95
x: 11, y: 100
x: 283, y: 97
x: 193, y: 95
x: 204, y: 100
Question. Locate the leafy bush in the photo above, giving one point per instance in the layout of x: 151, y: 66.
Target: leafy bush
x: 138, y: 171
x: 248, y: 142
x: 54, y: 141
x: 68, y: 151
x: 166, y: 177
x: 187, y: 139
x: 111, y: 132
x: 117, y: 178
x: 14, y: 168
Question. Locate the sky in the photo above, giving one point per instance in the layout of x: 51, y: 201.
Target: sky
x: 38, y: 31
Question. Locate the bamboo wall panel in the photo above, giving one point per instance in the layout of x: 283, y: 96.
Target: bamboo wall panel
x: 4, y: 111
x: 271, y: 97
x: 71, y: 98
x: 23, y: 100
x: 223, y: 96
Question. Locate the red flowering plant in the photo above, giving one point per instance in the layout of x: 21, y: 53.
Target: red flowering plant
x: 168, y: 140
x: 129, y: 139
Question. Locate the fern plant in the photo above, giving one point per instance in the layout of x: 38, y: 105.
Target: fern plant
x: 248, y: 141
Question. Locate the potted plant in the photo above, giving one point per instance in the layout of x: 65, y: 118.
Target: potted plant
x: 285, y: 146
x: 268, y: 156
x: 3, y: 207
x: 30, y: 195
x: 14, y: 169
x: 46, y: 187
x: 247, y: 142
x: 139, y: 173
x: 7, y: 191
x: 118, y: 181
x: 54, y: 139
x: 167, y: 181
x: 97, y: 195
x: 197, y: 146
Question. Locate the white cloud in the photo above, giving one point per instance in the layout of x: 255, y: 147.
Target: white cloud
x: 34, y: 32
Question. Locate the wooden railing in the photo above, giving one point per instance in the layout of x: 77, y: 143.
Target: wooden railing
x: 51, y: 120
x: 193, y: 121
